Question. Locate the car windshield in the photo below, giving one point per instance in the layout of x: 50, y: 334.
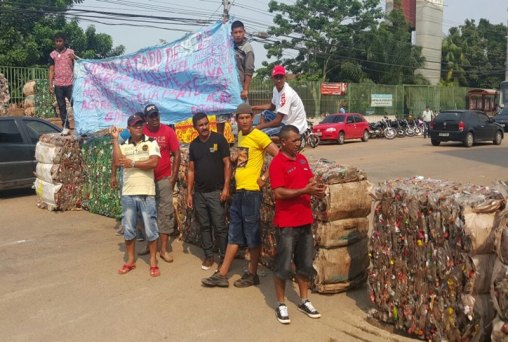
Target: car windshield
x: 334, y: 119
x: 449, y: 116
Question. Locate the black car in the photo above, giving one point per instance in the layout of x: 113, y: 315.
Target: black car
x: 502, y: 119
x: 466, y: 126
x: 18, y: 137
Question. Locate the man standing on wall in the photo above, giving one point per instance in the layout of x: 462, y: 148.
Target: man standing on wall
x: 138, y: 156
x: 293, y: 184
x: 61, y: 70
x: 166, y: 174
x: 244, y: 55
x: 210, y: 171
x: 244, y: 227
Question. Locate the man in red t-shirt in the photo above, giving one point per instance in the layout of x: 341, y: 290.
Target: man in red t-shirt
x: 293, y: 183
x: 165, y: 174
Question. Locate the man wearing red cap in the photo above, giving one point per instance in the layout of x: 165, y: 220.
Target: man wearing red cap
x: 287, y: 105
x: 138, y: 156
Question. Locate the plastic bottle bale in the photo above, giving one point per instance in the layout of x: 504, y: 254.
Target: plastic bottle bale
x: 344, y: 200
x: 341, y: 264
x: 499, y: 289
x: 29, y: 88
x: 268, y: 245
x: 29, y: 101
x: 499, y: 330
x: 340, y: 232
x: 191, y: 230
x: 330, y: 172
x: 501, y: 243
x: 424, y: 264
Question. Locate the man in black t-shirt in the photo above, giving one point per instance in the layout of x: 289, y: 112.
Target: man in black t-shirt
x: 209, y: 177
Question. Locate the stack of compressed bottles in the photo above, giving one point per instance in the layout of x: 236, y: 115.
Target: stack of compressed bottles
x: 340, y: 227
x: 4, y: 94
x: 99, y: 197
x: 59, y: 172
x: 431, y: 252
x: 38, y: 100
x: 499, y: 284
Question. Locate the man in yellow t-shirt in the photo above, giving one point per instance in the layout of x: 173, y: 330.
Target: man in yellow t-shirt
x: 246, y: 201
x: 139, y: 155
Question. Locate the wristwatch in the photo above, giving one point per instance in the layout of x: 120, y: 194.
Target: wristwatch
x: 263, y: 178
x: 133, y: 163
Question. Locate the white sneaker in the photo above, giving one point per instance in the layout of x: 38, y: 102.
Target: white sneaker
x: 282, y: 314
x: 65, y: 131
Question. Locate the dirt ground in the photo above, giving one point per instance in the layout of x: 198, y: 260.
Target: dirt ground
x: 59, y: 282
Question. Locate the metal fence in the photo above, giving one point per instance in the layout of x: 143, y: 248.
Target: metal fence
x: 18, y: 76
x: 405, y: 99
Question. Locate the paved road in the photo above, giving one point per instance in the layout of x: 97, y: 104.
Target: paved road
x: 59, y: 282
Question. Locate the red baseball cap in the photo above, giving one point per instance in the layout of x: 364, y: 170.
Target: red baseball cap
x: 278, y: 70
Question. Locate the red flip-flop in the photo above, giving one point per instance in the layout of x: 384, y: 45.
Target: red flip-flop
x: 126, y: 268
x: 154, y: 271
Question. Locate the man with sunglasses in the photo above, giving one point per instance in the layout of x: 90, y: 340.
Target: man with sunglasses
x: 286, y: 104
x: 165, y: 174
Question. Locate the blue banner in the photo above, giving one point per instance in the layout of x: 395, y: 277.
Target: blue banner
x: 194, y: 74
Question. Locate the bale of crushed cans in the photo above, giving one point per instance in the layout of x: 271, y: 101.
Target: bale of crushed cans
x: 499, y: 284
x: 99, y: 197
x: 431, y: 252
x: 59, y: 172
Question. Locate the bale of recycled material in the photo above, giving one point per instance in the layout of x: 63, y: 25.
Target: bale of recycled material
x: 330, y: 172
x: 426, y: 275
x: 341, y: 264
x: 29, y: 88
x: 341, y: 232
x: 59, y: 172
x: 343, y: 200
x: 339, y: 287
x: 499, y: 330
x: 29, y: 101
x: 99, y: 197
x: 499, y: 289
x: 4, y: 94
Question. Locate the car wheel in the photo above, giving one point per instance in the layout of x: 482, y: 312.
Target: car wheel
x: 366, y: 136
x: 468, y: 142
x: 341, y: 139
x: 435, y: 142
x: 498, y: 138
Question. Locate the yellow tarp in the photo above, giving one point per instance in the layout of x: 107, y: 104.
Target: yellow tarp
x: 185, y: 132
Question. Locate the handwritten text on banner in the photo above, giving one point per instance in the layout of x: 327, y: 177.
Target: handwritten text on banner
x: 194, y: 74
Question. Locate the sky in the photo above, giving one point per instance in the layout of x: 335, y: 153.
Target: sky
x: 254, y: 14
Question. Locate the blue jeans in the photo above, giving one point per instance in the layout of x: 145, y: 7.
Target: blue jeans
x: 244, y: 225
x: 145, y: 205
x: 268, y: 115
x: 294, y: 244
x: 61, y: 93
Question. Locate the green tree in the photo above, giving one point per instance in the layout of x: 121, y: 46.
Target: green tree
x: 392, y: 59
x: 474, y: 55
x: 27, y: 29
x: 326, y: 34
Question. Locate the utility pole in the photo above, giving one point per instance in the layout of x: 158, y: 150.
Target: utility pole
x: 225, y: 16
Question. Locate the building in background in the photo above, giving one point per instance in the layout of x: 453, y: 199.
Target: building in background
x: 426, y: 18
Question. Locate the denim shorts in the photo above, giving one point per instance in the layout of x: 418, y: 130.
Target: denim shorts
x: 144, y: 205
x: 244, y: 218
x: 294, y: 244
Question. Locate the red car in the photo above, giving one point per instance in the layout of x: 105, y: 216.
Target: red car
x: 339, y: 127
